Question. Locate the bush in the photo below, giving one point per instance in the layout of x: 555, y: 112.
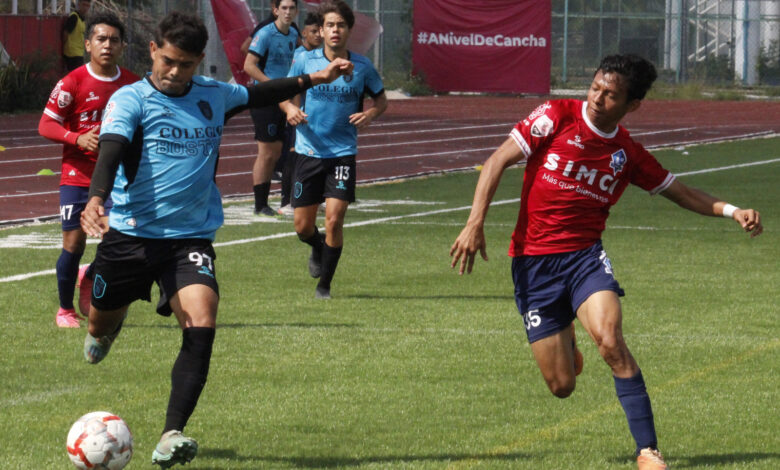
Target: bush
x: 25, y: 85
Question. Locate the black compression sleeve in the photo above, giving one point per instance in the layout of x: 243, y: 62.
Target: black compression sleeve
x: 276, y: 91
x: 112, y: 151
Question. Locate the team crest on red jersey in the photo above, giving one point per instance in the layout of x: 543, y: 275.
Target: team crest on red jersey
x: 618, y: 161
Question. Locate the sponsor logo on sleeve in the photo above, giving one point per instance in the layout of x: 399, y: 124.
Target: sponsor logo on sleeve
x: 542, y: 127
x: 64, y: 99
x: 56, y: 92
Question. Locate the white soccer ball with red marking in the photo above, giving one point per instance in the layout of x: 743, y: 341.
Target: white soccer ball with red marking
x: 100, y: 441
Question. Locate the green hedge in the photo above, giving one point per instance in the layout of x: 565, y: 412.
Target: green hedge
x: 26, y: 84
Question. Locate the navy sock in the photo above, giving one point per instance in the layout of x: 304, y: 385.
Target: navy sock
x: 188, y: 376
x: 67, y: 273
x: 632, y: 395
x: 330, y: 259
x: 261, y: 194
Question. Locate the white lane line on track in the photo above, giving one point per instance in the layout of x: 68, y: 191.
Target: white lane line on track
x: 27, y: 176
x: 3, y: 196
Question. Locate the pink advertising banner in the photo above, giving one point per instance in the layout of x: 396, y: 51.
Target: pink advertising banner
x: 500, y: 46
x: 235, y: 22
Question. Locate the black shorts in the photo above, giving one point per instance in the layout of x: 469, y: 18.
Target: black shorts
x: 320, y: 178
x: 125, y: 268
x: 269, y: 122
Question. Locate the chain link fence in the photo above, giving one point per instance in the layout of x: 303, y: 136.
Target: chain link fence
x: 719, y: 42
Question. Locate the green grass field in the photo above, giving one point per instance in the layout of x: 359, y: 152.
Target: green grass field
x: 411, y: 366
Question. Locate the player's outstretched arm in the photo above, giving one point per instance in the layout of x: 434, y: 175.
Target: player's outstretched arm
x: 700, y: 202
x: 334, y: 70
x: 278, y: 90
x: 472, y: 238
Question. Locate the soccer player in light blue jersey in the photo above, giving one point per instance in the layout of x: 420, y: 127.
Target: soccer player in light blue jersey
x: 310, y: 40
x: 159, y: 146
x: 326, y: 140
x: 270, y: 56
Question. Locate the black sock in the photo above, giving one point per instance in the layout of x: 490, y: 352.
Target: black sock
x: 261, y: 194
x: 330, y: 259
x: 188, y: 376
x: 316, y: 240
x: 287, y: 177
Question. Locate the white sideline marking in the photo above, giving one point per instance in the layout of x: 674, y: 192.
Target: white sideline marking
x: 358, y: 224
x: 40, y: 396
x: 20, y: 277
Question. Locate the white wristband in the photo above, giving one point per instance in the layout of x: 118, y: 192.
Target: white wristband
x: 728, y: 211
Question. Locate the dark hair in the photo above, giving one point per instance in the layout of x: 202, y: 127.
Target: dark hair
x: 639, y: 72
x: 311, y: 18
x: 337, y: 6
x: 104, y: 17
x: 276, y: 3
x: 185, y: 31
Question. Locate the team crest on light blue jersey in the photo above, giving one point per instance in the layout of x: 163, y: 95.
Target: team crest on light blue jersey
x: 205, y: 109
x: 618, y: 161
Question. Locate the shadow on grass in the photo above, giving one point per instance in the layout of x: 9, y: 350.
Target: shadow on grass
x: 429, y: 297
x: 694, y: 461
x: 707, y: 460
x: 337, y: 462
x: 255, y: 325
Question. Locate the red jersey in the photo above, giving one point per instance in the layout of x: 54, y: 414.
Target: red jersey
x: 77, y: 104
x: 574, y: 174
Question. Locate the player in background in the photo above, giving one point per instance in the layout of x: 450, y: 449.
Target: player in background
x: 73, y: 36
x: 72, y: 117
x: 270, y: 56
x: 310, y: 40
x: 326, y: 140
x: 159, y: 145
x: 579, y: 160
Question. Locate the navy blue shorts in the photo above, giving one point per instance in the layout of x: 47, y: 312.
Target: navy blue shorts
x: 550, y: 288
x: 73, y: 199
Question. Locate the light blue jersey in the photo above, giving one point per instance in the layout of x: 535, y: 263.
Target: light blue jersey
x: 274, y: 49
x: 165, y: 186
x: 329, y: 133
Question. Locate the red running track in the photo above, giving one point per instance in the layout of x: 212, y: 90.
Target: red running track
x: 414, y: 137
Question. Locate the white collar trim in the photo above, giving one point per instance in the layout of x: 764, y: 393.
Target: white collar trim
x: 103, y: 79
x: 592, y: 127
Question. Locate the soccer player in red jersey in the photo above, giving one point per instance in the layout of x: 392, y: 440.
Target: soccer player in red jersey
x: 579, y: 160
x: 72, y: 116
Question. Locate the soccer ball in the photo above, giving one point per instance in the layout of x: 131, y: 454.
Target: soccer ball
x: 100, y: 441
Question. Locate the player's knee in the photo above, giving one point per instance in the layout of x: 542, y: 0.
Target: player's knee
x: 303, y: 234
x: 562, y: 389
